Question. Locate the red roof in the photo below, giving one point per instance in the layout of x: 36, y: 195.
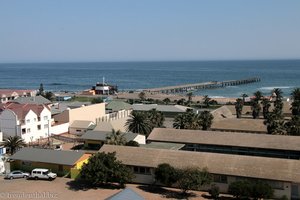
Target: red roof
x: 21, y: 110
x: 9, y: 92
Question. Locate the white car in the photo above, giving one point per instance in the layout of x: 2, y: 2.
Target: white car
x: 43, y: 174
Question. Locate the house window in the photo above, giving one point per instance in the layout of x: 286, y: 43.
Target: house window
x: 34, y: 119
x: 220, y: 178
x: 39, y: 127
x: 27, y: 163
x: 78, y: 130
x: 141, y: 170
x: 45, y: 117
x: 27, y: 121
x: 39, y: 119
x: 60, y: 168
x: 28, y: 130
x: 45, y: 126
x: 23, y: 130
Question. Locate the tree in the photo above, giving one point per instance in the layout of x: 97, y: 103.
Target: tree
x: 166, y: 101
x: 206, y: 119
x: 261, y: 190
x: 156, y: 118
x: 104, y: 168
x: 239, y: 107
x: 49, y: 95
x: 295, y: 107
x: 206, y: 101
x: 278, y: 104
x: 257, y: 95
x: 116, y: 138
x: 14, y: 143
x: 240, y: 189
x: 142, y: 96
x: 138, y: 123
x: 190, y: 97
x: 132, y: 143
x: 193, y: 179
x: 266, y: 105
x: 97, y: 100
x: 166, y: 174
x: 181, y: 101
x: 293, y: 126
x: 275, y: 124
x: 255, y: 106
x: 214, y: 191
x: 180, y: 121
x: 41, y: 90
x: 296, y: 94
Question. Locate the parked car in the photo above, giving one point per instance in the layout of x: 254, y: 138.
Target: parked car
x: 17, y: 174
x: 39, y: 173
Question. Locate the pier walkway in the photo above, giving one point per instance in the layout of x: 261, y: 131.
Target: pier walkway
x: 201, y: 86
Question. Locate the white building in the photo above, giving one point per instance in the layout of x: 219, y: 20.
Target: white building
x: 29, y: 121
x: 7, y: 95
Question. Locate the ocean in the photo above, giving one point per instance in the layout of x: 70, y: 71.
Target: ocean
x: 283, y: 74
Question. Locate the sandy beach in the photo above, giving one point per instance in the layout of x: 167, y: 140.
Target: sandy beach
x: 172, y: 97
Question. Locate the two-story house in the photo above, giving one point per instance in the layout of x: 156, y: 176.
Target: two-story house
x: 29, y: 121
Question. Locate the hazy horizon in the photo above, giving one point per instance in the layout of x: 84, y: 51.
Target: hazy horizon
x: 140, y: 31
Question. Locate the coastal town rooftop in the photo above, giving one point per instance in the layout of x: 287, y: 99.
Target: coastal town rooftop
x: 216, y: 163
x: 264, y: 141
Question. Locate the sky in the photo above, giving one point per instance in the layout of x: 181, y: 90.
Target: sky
x: 152, y: 30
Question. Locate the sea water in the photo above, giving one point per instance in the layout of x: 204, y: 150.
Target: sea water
x: 283, y: 74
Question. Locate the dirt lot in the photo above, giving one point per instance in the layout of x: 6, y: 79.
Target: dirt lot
x: 65, y: 189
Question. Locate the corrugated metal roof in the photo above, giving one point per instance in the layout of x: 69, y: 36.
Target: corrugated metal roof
x: 162, y: 108
x: 101, y: 135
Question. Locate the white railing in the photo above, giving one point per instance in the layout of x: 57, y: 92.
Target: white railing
x: 114, y: 116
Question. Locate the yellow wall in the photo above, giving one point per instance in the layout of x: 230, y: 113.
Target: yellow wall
x: 88, y: 113
x: 82, y: 160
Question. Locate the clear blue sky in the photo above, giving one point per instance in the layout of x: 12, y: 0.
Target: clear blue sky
x: 137, y: 30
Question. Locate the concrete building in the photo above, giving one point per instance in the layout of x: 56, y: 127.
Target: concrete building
x: 79, y: 127
x: 279, y: 146
x: 167, y: 110
x: 281, y: 174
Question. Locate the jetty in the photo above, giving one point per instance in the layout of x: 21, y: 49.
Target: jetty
x: 201, y: 86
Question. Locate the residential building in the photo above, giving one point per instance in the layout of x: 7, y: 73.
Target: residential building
x: 60, y: 162
x: 39, y: 100
x: 279, y: 146
x: 7, y: 95
x: 2, y: 148
x: 115, y: 106
x: 29, y: 121
x: 281, y: 174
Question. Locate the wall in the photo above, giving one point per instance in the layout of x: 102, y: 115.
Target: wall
x: 59, y: 129
x: 88, y: 113
x: 8, y: 123
x: 18, y: 165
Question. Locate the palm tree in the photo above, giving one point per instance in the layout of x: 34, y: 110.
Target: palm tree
x: 278, y: 93
x: 166, y: 101
x: 257, y: 95
x: 296, y: 94
x: 190, y: 97
x: 275, y: 124
x: 192, y: 121
x: 239, y: 107
x: 180, y: 121
x: 13, y: 143
x: 116, y: 138
x: 296, y: 101
x: 293, y: 126
x: 206, y: 101
x: 255, y: 106
x: 156, y: 118
x: 266, y: 105
x: 142, y: 96
x: 206, y: 119
x: 138, y: 123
